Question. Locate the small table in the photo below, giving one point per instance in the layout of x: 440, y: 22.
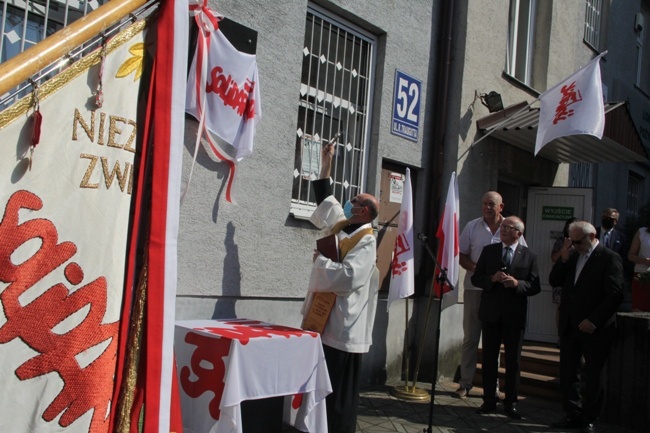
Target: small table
x: 221, y: 363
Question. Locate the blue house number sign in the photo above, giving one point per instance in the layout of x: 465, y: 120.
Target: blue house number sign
x: 406, y: 106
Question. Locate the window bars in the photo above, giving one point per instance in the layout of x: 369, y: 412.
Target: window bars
x: 24, y: 24
x: 334, y: 106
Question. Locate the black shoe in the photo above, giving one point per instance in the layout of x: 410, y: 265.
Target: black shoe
x: 569, y: 422
x: 511, y: 410
x: 588, y: 428
x: 486, y: 408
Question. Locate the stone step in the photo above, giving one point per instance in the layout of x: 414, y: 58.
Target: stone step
x: 540, y: 370
x: 531, y: 384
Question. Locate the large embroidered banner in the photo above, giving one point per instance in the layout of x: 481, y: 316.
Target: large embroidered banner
x: 63, y: 235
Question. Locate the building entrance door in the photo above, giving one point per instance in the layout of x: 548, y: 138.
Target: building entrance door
x: 548, y: 210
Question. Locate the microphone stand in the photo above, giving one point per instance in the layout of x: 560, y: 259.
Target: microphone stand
x: 442, y: 279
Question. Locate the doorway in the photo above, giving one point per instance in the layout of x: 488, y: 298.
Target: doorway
x: 548, y: 210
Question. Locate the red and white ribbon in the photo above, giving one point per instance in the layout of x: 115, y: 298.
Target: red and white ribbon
x: 207, y: 22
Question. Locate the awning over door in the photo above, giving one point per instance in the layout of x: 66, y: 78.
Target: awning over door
x: 620, y: 143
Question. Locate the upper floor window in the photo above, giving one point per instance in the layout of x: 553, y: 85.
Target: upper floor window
x: 335, y: 101
x: 593, y: 20
x: 24, y: 23
x: 581, y: 175
x: 528, y: 41
x: 634, y: 194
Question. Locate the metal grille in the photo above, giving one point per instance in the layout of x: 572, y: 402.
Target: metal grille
x: 634, y: 194
x: 26, y: 23
x: 335, y: 101
x: 592, y: 22
x: 581, y: 175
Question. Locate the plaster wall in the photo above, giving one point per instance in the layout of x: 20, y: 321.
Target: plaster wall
x: 251, y: 258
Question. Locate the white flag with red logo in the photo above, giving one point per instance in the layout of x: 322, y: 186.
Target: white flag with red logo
x: 402, y: 280
x: 448, y: 250
x: 575, y: 106
x: 231, y: 92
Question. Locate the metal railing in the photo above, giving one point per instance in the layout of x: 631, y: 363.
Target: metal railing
x: 43, y: 59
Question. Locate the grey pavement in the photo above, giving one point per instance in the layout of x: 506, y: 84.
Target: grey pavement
x: 380, y: 411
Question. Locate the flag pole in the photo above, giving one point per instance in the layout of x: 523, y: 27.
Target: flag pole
x: 406, y: 392
x: 406, y: 341
x: 442, y: 279
x: 503, y: 122
x: 402, y: 281
x: 497, y: 126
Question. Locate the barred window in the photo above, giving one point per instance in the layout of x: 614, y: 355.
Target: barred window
x: 334, y: 105
x: 24, y: 23
x: 643, y: 50
x: 581, y: 175
x: 634, y: 194
x: 593, y: 15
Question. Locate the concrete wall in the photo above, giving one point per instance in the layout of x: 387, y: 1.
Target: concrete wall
x: 619, y: 77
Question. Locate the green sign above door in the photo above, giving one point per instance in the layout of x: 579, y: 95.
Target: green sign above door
x: 557, y: 213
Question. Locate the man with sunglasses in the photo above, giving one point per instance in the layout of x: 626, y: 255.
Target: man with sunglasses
x: 354, y: 278
x: 508, y: 274
x: 591, y: 278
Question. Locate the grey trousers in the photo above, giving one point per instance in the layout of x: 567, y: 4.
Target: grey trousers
x: 472, y: 337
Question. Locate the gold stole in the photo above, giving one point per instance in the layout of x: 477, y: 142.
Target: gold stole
x: 323, y: 302
x: 347, y: 244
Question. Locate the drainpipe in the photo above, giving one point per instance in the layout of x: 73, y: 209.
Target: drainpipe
x: 435, y: 171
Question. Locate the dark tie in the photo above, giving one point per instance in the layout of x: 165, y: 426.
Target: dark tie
x: 606, y: 240
x: 507, y: 256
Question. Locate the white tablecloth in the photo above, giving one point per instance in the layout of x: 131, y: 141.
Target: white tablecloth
x: 224, y: 362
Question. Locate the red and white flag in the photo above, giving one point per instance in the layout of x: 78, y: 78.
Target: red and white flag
x: 156, y: 388
x: 448, y: 249
x: 575, y: 106
x: 402, y: 280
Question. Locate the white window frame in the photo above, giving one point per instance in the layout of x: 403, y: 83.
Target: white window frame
x: 520, y: 49
x: 643, y: 57
x: 323, y: 111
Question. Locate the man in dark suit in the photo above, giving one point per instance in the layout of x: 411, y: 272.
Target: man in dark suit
x: 616, y: 240
x: 507, y: 273
x: 591, y: 278
x: 608, y: 235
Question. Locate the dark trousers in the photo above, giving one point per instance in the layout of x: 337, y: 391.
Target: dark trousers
x: 584, y: 403
x: 512, y: 338
x: 344, y: 371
